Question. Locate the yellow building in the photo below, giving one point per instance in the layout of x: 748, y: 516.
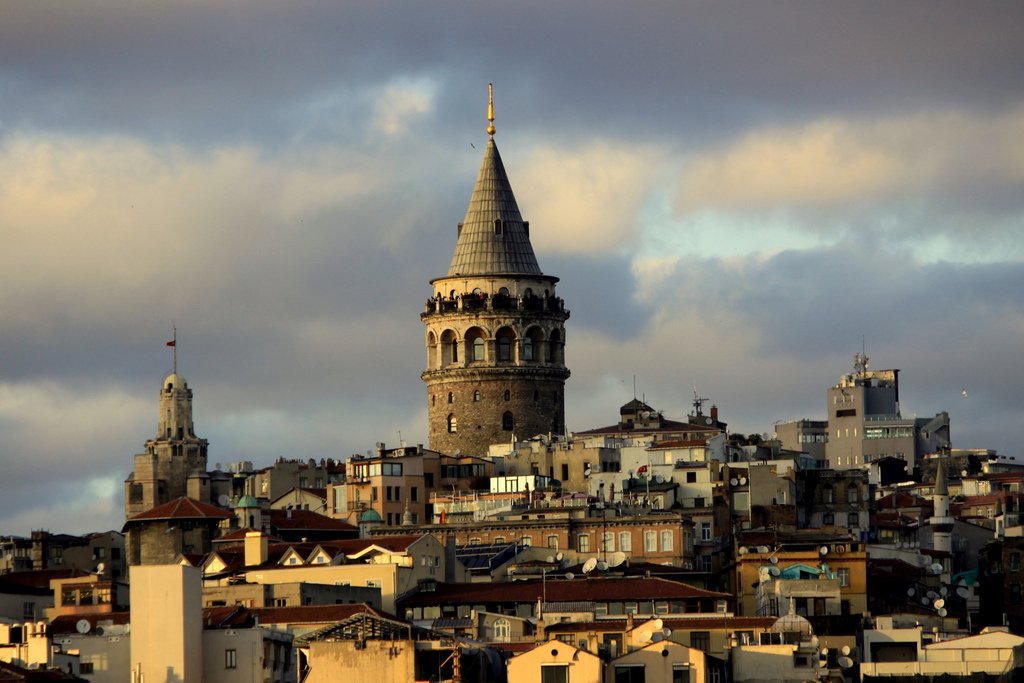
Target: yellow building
x: 555, y: 662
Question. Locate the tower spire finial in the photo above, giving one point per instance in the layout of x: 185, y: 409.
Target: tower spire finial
x: 490, y: 109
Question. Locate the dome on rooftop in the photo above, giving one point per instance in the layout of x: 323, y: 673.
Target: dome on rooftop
x: 247, y: 501
x: 175, y: 380
x: 370, y: 515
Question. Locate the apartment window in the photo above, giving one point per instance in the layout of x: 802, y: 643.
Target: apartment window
x: 650, y: 541
x: 553, y: 542
x: 691, y: 477
x: 1014, y: 562
x: 704, y: 563
x: 626, y: 541
x: 666, y: 540
x: 507, y: 422
x: 843, y: 575
x: 28, y: 610
x: 853, y: 520
x: 526, y: 541
x: 630, y: 673
x: 826, y: 493
x: 700, y: 640
x: 583, y: 543
x: 828, y: 519
x: 565, y: 471
x: 554, y: 673
x: 387, y: 492
x: 231, y: 659
x: 86, y: 668
x: 680, y: 673
x: 414, y: 494
x: 705, y: 531
x: 608, y: 541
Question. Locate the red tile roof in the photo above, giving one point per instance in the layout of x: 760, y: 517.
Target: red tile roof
x: 297, y: 520
x: 677, y: 624
x: 236, y: 617
x: 577, y: 590
x: 68, y: 623
x: 181, y: 508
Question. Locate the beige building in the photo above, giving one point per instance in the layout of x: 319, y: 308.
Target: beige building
x: 167, y: 624
x: 663, y: 661
x: 904, y: 652
x: 556, y: 662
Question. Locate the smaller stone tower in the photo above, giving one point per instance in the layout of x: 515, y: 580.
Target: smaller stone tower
x: 174, y: 462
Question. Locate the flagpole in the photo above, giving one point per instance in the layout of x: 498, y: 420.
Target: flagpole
x: 175, y: 349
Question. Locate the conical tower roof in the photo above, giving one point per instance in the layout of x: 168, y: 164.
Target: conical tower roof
x: 485, y: 245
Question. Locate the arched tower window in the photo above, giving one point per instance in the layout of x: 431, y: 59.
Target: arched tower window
x: 477, y: 396
x: 528, y: 348
x: 556, y: 348
x: 507, y: 421
x: 478, y: 349
x: 508, y: 395
x: 455, y: 350
x: 449, y: 348
x: 451, y: 397
x: 502, y: 630
x: 504, y: 349
x: 452, y: 424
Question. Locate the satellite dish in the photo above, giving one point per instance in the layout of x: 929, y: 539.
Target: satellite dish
x: 942, y: 612
x: 657, y: 624
x: 762, y: 548
x: 559, y: 556
x: 823, y: 550
x: 742, y: 550
x: 83, y: 626
x: 943, y: 591
x: 601, y: 565
x: 824, y: 652
x: 645, y: 635
x: 666, y: 631
x: 224, y: 501
x: 910, y: 592
x: 743, y: 481
x: 925, y: 601
x: 774, y: 571
x: 773, y: 560
x: 734, y: 482
x: 845, y: 662
x: 845, y: 650
x: 939, y: 604
x: 963, y: 592
x: 550, y: 559
x: 570, y: 576
x: 589, y: 565
x: 932, y: 595
x: 616, y: 558
x: 937, y: 568
x: 100, y: 567
x: 963, y: 473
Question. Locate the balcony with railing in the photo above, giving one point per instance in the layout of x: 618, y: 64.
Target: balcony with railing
x: 497, y: 302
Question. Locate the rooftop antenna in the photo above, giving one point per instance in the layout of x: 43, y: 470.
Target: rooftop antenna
x: 490, y: 110
x: 634, y: 386
x: 698, y: 403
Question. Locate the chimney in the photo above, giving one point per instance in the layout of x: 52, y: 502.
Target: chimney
x: 256, y: 548
x: 714, y: 413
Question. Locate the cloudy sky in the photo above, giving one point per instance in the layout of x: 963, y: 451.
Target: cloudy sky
x: 735, y: 197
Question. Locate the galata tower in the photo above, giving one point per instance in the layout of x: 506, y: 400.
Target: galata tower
x: 495, y: 328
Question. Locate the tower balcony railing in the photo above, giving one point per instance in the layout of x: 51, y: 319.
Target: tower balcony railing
x: 497, y: 302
